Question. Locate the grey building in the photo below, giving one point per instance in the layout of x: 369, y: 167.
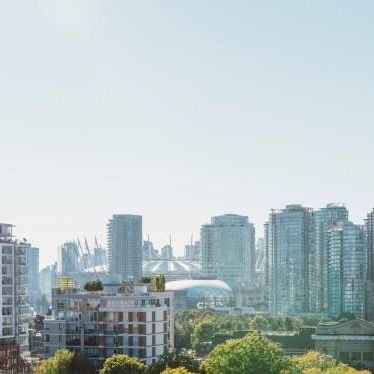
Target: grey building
x: 228, y: 249
x: 14, y: 309
x: 350, y: 341
x: 167, y: 252
x: 68, y: 258
x: 47, y: 280
x: 369, y: 244
x: 289, y: 237
x: 32, y: 275
x: 347, y: 270
x: 125, y: 240
x: 318, y: 256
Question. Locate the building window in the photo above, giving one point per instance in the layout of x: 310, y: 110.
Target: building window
x: 368, y: 356
x: 344, y: 356
x: 356, y: 356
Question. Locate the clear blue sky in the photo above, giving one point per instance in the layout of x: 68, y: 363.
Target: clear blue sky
x: 180, y: 110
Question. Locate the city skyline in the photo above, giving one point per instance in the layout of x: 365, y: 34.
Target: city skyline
x: 180, y: 112
x: 178, y: 246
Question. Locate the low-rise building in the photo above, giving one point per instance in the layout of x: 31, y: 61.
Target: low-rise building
x: 349, y: 341
x: 135, y: 321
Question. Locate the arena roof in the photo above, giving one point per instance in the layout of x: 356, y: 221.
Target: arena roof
x: 171, y: 266
x: 197, y: 283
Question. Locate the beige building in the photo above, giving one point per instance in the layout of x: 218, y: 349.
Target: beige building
x: 349, y: 341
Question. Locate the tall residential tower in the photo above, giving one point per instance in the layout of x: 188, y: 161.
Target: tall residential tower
x: 33, y: 275
x: 228, y: 249
x: 324, y: 219
x: 289, y: 238
x: 13, y: 298
x: 125, y: 240
x: 347, y: 270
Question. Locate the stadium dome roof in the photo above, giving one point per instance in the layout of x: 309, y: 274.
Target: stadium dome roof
x: 197, y: 288
x: 171, y: 266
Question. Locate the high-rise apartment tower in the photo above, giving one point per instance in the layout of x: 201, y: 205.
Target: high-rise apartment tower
x: 125, y: 246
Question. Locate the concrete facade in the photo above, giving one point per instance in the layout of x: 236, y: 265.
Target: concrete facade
x: 350, y: 341
x: 135, y: 321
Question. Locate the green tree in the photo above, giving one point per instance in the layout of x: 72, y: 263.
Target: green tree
x: 202, y: 332
x: 122, y: 364
x: 260, y: 323
x: 145, y: 279
x: 94, y: 285
x: 173, y: 360
x: 288, y: 324
x: 65, y: 362
x: 160, y: 283
x: 252, y: 354
x: 318, y: 363
x: 179, y: 370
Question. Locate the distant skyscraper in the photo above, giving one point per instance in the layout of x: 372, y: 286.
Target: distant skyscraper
x: 318, y: 257
x: 289, y: 234
x: 193, y: 251
x: 32, y: 275
x: 228, y: 249
x: 149, y: 251
x: 68, y: 258
x: 369, y: 243
x: 47, y: 280
x: 347, y: 270
x: 125, y: 240
x: 167, y: 252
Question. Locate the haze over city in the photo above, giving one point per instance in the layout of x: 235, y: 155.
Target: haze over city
x: 179, y: 112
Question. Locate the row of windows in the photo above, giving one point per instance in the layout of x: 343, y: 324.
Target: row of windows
x: 356, y: 356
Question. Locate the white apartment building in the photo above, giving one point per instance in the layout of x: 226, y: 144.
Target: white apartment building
x: 131, y: 320
x: 14, y: 301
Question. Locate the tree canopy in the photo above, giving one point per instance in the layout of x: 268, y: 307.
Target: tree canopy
x: 252, y: 354
x: 65, y: 362
x: 160, y: 283
x: 173, y: 360
x: 94, y: 285
x: 122, y: 364
x: 179, y: 370
x: 318, y: 363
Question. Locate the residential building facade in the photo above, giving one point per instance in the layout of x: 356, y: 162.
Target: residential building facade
x: 319, y: 255
x: 125, y: 240
x: 289, y: 238
x: 68, y: 258
x: 134, y: 321
x: 47, y: 280
x: 369, y: 244
x: 350, y: 341
x: 32, y: 275
x: 15, y: 309
x: 228, y: 249
x: 347, y: 270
